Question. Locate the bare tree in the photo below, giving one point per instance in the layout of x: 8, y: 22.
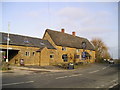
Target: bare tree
x: 101, y: 49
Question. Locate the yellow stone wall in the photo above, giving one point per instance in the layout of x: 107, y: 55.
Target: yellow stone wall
x: 44, y: 55
x: 69, y: 51
x: 43, y: 58
x: 28, y: 60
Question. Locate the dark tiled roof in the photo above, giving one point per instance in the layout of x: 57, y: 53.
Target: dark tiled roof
x: 67, y: 40
x: 25, y: 41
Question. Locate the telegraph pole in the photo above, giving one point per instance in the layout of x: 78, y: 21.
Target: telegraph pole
x: 8, y: 39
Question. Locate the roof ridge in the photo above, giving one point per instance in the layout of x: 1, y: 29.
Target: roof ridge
x: 21, y: 35
x: 65, y: 33
x: 65, y: 39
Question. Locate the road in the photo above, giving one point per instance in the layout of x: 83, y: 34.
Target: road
x: 94, y: 76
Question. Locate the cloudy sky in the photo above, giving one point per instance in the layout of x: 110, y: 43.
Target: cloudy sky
x: 87, y: 19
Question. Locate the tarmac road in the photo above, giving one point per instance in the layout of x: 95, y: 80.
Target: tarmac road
x: 94, y: 76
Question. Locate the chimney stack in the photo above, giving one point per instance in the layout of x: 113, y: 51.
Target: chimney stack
x: 62, y: 30
x: 73, y: 33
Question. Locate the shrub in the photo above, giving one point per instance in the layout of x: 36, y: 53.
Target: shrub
x: 5, y: 66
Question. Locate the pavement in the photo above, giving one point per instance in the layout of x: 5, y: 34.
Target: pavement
x: 36, y: 68
x: 95, y: 76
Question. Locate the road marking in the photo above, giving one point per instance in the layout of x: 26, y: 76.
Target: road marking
x: 104, y: 68
x: 61, y: 77
x: 69, y: 76
x: 102, y: 85
x: 113, y: 85
x: 113, y: 81
x: 17, y: 83
x: 75, y: 75
x: 97, y: 87
x: 94, y: 71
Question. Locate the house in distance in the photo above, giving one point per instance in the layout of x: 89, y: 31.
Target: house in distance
x: 55, y: 47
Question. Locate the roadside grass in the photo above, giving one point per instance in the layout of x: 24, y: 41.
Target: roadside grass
x: 5, y: 66
x: 76, y: 65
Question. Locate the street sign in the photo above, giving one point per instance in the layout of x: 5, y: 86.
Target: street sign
x: 83, y: 54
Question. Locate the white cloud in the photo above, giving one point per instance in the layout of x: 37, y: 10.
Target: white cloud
x: 72, y: 13
x: 84, y: 19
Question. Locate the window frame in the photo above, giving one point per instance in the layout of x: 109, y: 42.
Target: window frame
x: 27, y: 53
x: 52, y: 56
x: 33, y: 53
x: 63, y: 48
x: 77, y: 50
x: 65, y: 57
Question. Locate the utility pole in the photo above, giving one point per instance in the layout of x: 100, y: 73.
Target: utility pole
x: 8, y: 39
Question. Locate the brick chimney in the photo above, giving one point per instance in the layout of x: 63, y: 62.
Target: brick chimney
x: 62, y: 30
x: 73, y: 33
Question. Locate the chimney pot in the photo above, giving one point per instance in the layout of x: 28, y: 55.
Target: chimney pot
x: 62, y: 30
x: 73, y: 33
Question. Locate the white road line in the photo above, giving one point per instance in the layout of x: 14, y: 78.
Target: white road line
x: 113, y: 85
x: 61, y: 77
x: 68, y: 76
x: 97, y: 87
x: 104, y: 68
x: 102, y: 85
x: 75, y: 75
x: 17, y: 83
x: 113, y: 81
x: 94, y: 71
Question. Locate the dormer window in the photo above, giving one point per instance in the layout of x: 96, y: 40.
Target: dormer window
x: 83, y: 45
x: 41, y: 43
x: 63, y: 49
x: 6, y: 38
x: 26, y: 41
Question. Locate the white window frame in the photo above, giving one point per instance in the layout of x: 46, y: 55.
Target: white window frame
x: 33, y: 54
x: 77, y: 50
x: 52, y: 56
x: 27, y: 53
x: 63, y: 48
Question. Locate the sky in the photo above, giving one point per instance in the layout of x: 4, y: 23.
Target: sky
x: 88, y: 19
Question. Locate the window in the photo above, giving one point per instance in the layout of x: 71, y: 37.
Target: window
x: 63, y: 48
x: 41, y: 43
x: 83, y: 45
x: 65, y: 57
x: 77, y: 56
x: 33, y: 53
x: 86, y: 55
x: 26, y: 41
x: 6, y: 38
x: 51, y: 56
x: 77, y: 50
x: 90, y: 52
x: 27, y: 53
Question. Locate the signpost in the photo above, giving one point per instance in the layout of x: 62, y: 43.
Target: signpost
x: 8, y: 39
x: 84, y: 47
